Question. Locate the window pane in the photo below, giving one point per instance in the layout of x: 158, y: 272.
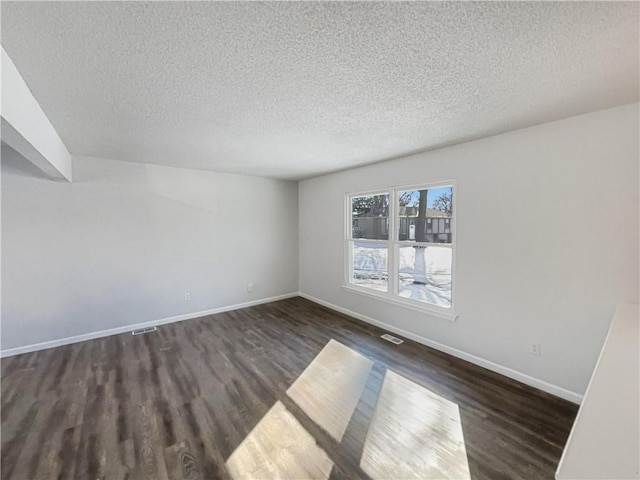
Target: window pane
x: 369, y: 265
x: 370, y: 217
x: 425, y: 215
x: 425, y: 274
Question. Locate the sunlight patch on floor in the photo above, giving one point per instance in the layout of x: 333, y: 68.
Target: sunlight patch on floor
x: 279, y: 447
x: 330, y: 387
x: 414, y: 433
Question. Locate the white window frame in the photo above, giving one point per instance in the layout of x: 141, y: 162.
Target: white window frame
x: 393, y: 245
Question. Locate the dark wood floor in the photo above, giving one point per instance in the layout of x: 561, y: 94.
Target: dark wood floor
x: 176, y: 403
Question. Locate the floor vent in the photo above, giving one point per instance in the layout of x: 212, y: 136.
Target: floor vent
x: 143, y: 330
x: 392, y: 339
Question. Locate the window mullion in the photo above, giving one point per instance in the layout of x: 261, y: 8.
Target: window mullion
x: 391, y: 250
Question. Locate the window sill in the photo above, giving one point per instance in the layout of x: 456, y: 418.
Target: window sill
x: 401, y: 302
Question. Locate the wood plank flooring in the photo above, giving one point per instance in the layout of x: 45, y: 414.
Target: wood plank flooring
x: 178, y: 402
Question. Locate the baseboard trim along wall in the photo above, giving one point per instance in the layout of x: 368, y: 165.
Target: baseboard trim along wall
x: 495, y: 367
x: 128, y: 328
x: 506, y: 371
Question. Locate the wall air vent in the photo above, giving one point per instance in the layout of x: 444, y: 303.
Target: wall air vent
x: 392, y: 339
x: 143, y: 330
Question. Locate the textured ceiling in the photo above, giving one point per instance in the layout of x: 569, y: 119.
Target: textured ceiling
x: 292, y: 90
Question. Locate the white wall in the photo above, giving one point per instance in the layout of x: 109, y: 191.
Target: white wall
x: 125, y: 241
x: 561, y: 249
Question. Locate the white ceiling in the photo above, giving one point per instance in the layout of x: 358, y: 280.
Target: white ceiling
x: 293, y: 90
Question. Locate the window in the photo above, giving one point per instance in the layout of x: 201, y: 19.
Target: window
x: 369, y: 236
x: 400, y: 245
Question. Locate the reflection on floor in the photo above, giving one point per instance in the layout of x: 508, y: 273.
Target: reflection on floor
x: 330, y: 387
x: 413, y: 433
x: 179, y: 402
x: 279, y: 447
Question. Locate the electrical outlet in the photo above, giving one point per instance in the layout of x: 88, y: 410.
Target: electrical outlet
x: 535, y: 349
x: 187, y: 296
x: 249, y: 287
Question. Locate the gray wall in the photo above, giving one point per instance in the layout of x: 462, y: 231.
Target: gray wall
x: 561, y: 249
x: 124, y: 242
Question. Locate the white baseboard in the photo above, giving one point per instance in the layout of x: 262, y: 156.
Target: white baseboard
x: 488, y: 364
x: 127, y: 328
x: 506, y: 371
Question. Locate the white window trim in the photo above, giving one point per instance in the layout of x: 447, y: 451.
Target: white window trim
x: 391, y: 295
